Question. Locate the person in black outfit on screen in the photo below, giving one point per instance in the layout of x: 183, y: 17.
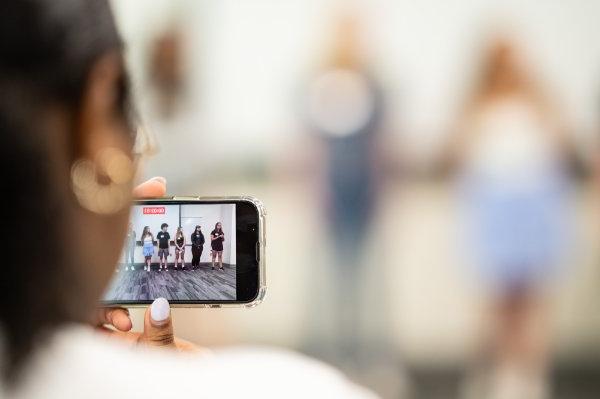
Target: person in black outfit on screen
x: 179, y: 248
x: 197, y: 240
x: 216, y: 242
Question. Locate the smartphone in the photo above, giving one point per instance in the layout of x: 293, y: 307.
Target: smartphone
x: 193, y: 251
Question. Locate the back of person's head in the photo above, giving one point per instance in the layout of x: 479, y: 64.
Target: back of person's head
x: 502, y: 70
x: 64, y: 95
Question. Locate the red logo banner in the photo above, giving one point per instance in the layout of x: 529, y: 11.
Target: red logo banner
x: 154, y: 210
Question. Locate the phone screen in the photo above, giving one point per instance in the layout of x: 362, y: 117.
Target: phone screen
x: 187, y: 252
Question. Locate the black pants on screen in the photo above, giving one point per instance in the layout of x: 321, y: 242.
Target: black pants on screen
x: 196, y: 254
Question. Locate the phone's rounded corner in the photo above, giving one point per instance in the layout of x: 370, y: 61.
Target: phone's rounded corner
x: 260, y: 296
x: 258, y: 204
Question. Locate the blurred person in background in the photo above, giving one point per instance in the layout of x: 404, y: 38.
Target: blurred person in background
x: 511, y: 156
x: 166, y: 72
x: 343, y: 106
x: 68, y: 140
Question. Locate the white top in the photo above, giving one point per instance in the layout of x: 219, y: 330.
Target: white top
x: 147, y: 238
x: 80, y: 363
x: 512, y: 145
x: 340, y: 102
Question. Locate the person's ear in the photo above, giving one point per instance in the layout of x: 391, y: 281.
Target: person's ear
x: 99, y: 123
x: 102, y: 170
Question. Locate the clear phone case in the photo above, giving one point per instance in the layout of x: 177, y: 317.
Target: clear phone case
x: 262, y: 284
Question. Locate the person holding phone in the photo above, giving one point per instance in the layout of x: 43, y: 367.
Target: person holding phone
x: 147, y: 247
x: 179, y: 248
x: 163, y: 238
x: 64, y: 114
x: 198, y: 241
x: 130, y: 247
x: 216, y: 242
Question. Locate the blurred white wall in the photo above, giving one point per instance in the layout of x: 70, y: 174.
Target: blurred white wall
x: 248, y: 60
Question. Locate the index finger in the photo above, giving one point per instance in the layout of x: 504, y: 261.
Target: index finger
x: 116, y: 317
x: 155, y: 187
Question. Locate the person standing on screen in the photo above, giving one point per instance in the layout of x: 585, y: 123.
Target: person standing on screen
x: 163, y: 246
x: 129, y: 247
x: 147, y: 247
x: 198, y: 241
x: 216, y: 242
x: 179, y: 248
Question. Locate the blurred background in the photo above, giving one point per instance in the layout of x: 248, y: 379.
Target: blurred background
x: 430, y: 171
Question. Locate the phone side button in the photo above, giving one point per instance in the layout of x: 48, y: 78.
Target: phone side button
x: 257, y: 252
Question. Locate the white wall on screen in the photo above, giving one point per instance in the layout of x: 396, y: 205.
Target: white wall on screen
x: 206, y: 215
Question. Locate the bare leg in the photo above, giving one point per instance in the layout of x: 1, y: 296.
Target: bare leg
x: 213, y: 255
x: 221, y: 260
x: 520, y: 347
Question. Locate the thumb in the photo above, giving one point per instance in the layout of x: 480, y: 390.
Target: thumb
x: 158, y: 328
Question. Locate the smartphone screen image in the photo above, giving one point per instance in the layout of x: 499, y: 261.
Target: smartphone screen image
x: 188, y: 253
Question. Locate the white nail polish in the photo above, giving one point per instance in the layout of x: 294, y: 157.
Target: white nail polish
x: 160, y: 310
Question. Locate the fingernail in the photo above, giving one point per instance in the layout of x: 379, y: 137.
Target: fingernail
x: 160, y: 179
x: 160, y: 310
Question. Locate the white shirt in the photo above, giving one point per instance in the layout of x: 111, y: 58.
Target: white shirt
x: 513, y: 147
x: 80, y: 363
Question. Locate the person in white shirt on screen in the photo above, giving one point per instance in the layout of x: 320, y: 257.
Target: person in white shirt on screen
x: 147, y: 247
x: 130, y: 248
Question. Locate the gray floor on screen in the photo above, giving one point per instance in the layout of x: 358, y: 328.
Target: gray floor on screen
x: 175, y: 284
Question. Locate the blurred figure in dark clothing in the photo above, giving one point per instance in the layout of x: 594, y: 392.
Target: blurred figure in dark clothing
x: 344, y: 108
